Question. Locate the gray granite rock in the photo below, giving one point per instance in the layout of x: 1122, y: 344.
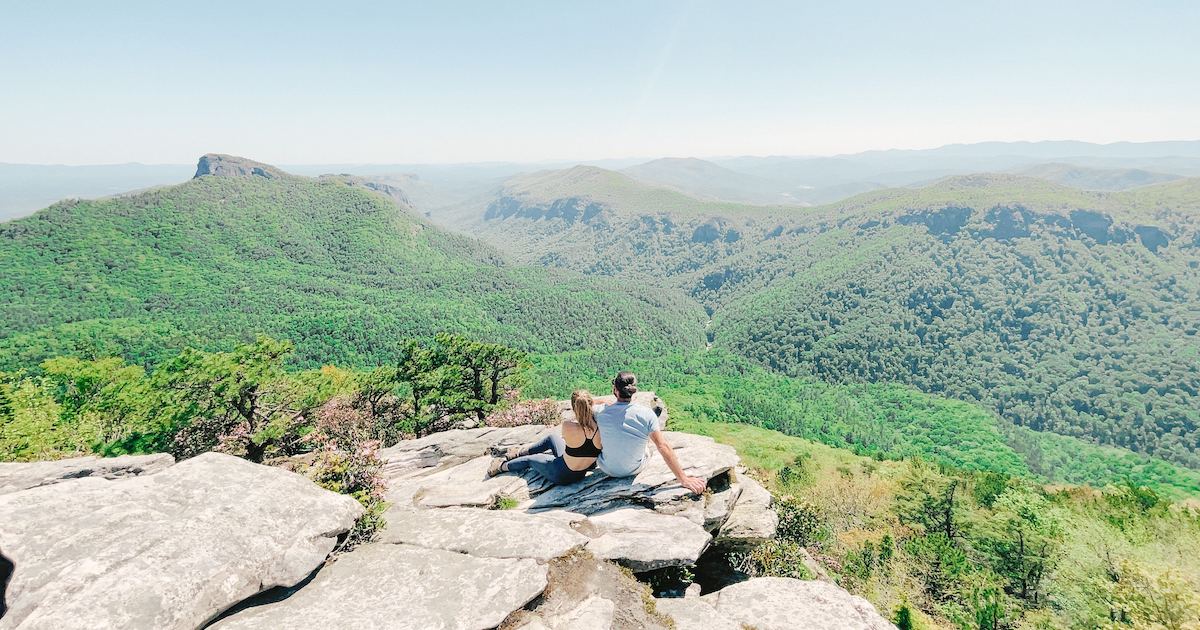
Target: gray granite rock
x: 693, y: 614
x: 398, y: 587
x: 21, y: 476
x: 168, y: 550
x: 644, y: 540
x: 775, y: 603
x: 751, y: 518
x: 484, y: 533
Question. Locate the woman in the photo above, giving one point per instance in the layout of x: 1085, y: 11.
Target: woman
x: 559, y: 459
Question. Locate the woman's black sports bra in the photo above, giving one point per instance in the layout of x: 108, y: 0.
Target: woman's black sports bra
x: 587, y: 449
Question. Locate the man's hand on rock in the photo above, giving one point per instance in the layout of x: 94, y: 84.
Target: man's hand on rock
x: 694, y: 484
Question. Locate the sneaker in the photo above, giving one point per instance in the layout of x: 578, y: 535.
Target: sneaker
x: 496, y: 467
x: 511, y: 452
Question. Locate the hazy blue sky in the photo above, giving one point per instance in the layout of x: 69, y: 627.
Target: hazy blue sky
x: 100, y: 82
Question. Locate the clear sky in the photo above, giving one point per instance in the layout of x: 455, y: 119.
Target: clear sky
x: 433, y: 81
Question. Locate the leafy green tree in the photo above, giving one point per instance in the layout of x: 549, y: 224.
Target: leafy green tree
x: 931, y: 499
x: 475, y: 375
x: 939, y: 563
x: 238, y: 401
x: 1022, y: 539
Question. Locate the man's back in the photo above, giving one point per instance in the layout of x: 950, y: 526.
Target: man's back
x: 624, y: 430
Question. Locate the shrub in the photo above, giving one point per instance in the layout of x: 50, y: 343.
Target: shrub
x: 800, y: 522
x: 544, y: 411
x: 774, y: 558
x: 355, y: 473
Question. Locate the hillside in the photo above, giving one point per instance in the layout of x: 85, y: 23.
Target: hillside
x: 329, y: 263
x: 1060, y: 309
x: 1086, y: 178
x: 704, y: 179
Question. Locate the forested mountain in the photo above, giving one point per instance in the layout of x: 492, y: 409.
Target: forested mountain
x: 1062, y: 310
x: 1088, y: 178
x: 329, y: 263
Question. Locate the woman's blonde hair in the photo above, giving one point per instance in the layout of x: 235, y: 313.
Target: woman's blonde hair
x: 581, y: 404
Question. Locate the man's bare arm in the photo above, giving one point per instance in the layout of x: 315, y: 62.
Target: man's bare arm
x: 668, y: 454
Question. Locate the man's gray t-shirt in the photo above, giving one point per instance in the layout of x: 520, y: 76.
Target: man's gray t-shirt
x: 625, y: 429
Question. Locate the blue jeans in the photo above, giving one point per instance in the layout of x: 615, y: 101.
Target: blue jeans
x: 545, y: 457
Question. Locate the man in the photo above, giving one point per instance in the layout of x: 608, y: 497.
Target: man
x: 625, y: 429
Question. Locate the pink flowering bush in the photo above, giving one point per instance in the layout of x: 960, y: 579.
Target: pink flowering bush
x: 544, y: 411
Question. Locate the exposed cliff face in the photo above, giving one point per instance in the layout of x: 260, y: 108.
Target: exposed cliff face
x: 222, y: 165
x: 392, y: 192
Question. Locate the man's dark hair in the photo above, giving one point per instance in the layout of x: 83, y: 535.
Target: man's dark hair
x: 625, y: 384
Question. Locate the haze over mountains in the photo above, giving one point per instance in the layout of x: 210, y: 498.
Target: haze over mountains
x: 758, y: 180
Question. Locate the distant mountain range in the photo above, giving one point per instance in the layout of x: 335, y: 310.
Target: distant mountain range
x: 756, y: 180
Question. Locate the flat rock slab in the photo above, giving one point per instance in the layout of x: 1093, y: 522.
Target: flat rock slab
x: 484, y: 533
x: 168, y: 550
x: 693, y: 614
x: 644, y: 540
x: 776, y: 603
x: 22, y: 476
x: 450, y: 448
x: 655, y: 485
x: 402, y: 587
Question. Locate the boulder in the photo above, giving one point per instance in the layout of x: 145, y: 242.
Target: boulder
x: 484, y: 533
x: 751, y: 519
x: 693, y: 614
x: 21, y: 476
x: 169, y: 550
x: 644, y: 540
x: 776, y: 603
x: 401, y: 587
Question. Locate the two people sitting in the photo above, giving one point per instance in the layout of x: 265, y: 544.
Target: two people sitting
x: 613, y: 438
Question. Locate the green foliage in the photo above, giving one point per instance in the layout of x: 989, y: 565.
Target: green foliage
x: 240, y: 401
x: 341, y: 271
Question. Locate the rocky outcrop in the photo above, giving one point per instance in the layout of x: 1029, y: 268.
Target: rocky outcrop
x: 205, y: 541
x: 168, y: 550
x: 22, y: 476
x: 221, y: 165
x: 392, y: 192
x: 402, y: 587
x: 776, y: 603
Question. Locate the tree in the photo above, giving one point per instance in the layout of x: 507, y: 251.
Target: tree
x: 237, y: 401
x: 930, y: 499
x: 475, y: 374
x: 1022, y: 539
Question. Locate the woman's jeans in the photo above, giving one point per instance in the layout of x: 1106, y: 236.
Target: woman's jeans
x: 545, y: 457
